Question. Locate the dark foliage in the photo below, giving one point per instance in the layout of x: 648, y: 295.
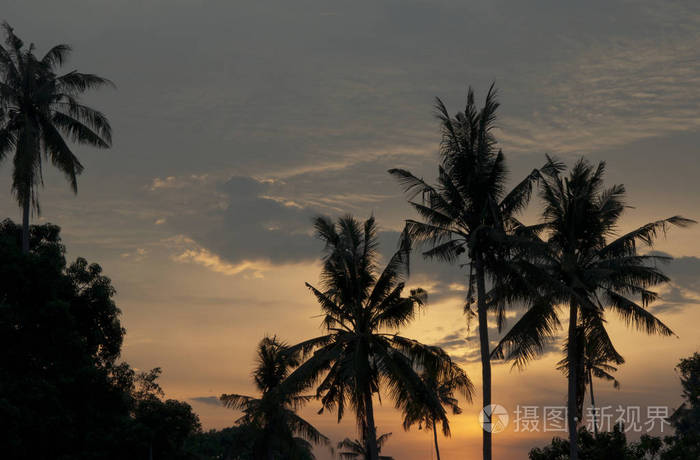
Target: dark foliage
x: 274, y: 431
x: 235, y: 443
x: 611, y: 444
x: 355, y: 449
x: 684, y: 444
x: 62, y: 394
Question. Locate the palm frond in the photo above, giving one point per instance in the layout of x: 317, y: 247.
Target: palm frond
x: 527, y: 338
x: 304, y: 429
x: 56, y: 56
x: 234, y: 401
x: 646, y: 234
x: 76, y: 82
x: 79, y: 132
x: 636, y: 315
x: 61, y: 155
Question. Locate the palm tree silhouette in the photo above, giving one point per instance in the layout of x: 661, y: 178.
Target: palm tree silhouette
x: 280, y: 432
x: 354, y: 449
x: 444, y: 386
x: 38, y: 110
x: 595, y: 356
x: 359, y: 353
x: 468, y: 211
x: 577, y: 265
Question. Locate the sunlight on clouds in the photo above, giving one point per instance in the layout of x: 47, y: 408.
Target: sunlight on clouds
x: 191, y: 252
x: 215, y: 263
x: 138, y: 255
x: 457, y: 287
x: 352, y: 157
x: 282, y: 201
x: 172, y: 182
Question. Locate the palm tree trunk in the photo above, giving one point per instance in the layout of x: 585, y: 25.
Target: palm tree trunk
x: 25, y: 224
x: 484, y: 348
x: 437, y: 450
x: 572, y: 406
x: 370, y: 428
x: 590, y: 383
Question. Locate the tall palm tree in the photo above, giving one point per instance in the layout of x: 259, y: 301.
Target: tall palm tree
x: 595, y: 356
x: 39, y: 109
x: 580, y: 262
x: 361, y: 351
x: 468, y: 212
x: 444, y: 386
x: 281, y: 433
x: 354, y: 449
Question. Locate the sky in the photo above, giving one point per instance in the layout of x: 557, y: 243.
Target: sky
x: 237, y: 122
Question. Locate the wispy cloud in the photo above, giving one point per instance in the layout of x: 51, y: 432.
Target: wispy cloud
x: 211, y: 400
x: 614, y: 93
x: 173, y: 182
x: 137, y: 255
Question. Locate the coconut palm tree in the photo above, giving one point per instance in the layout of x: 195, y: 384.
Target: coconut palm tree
x: 280, y: 432
x: 581, y: 263
x: 354, y: 449
x: 468, y: 213
x: 39, y: 109
x: 595, y: 357
x: 360, y: 350
x: 444, y: 386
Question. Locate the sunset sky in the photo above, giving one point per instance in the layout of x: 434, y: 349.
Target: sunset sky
x: 236, y: 122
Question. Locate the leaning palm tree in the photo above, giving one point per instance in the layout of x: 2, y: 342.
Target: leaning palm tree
x: 280, y: 432
x: 579, y: 262
x: 468, y: 213
x: 39, y: 109
x: 595, y: 356
x: 361, y: 351
x: 444, y: 386
x: 354, y: 449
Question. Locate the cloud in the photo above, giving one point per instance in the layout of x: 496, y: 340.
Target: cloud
x: 137, y: 255
x: 210, y: 400
x: 245, y: 225
x: 615, y: 93
x: 215, y: 263
x: 235, y: 225
x: 270, y: 218
x: 683, y: 290
x: 685, y: 272
x: 172, y: 182
x: 253, y: 223
x: 188, y: 251
x: 675, y: 300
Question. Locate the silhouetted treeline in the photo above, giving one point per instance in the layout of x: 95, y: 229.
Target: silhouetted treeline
x: 63, y: 394
x: 683, y: 444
